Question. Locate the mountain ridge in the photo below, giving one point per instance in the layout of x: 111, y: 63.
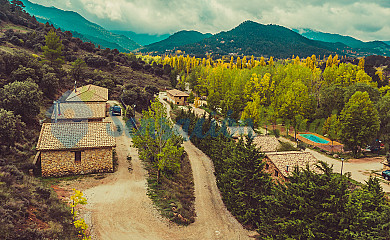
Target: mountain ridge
x: 177, y: 39
x: 143, y: 39
x: 252, y: 38
x: 375, y: 47
x: 73, y: 21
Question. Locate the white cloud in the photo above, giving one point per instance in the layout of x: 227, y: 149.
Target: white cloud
x: 363, y: 19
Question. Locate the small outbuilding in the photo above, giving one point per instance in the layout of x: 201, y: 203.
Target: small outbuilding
x: 177, y: 97
x: 75, y: 148
x: 280, y: 165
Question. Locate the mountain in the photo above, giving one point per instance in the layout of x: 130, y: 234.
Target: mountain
x: 72, y: 21
x: 176, y: 40
x: 365, y: 48
x: 143, y: 39
x: 330, y: 37
x: 251, y: 38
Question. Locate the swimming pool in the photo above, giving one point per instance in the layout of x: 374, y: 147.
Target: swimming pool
x: 314, y: 138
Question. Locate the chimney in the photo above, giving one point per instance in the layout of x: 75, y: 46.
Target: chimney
x: 59, y: 109
x: 287, y: 168
x: 75, y: 88
x: 55, y: 111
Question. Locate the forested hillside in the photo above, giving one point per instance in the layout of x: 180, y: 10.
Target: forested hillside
x: 72, y: 21
x: 250, y: 38
x: 38, y: 63
x: 174, y: 41
x: 363, y: 48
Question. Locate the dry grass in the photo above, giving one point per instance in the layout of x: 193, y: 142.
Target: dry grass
x: 174, y: 196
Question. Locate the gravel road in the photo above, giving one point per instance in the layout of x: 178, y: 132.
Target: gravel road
x: 119, y: 208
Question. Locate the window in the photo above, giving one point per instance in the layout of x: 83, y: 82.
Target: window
x: 77, y: 157
x: 276, y: 173
x: 178, y: 103
x: 266, y: 166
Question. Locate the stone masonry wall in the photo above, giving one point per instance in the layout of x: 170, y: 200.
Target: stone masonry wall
x: 62, y: 162
x: 176, y: 100
x: 271, y: 170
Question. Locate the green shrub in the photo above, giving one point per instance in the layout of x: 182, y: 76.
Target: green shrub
x: 286, y: 146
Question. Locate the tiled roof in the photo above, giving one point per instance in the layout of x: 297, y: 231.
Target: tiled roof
x: 70, y: 135
x: 80, y: 110
x: 266, y: 143
x: 177, y: 93
x: 89, y: 93
x: 292, y: 159
x: 238, y: 131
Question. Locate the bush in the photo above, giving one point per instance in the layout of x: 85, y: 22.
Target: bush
x: 275, y: 132
x: 96, y: 62
x: 286, y: 146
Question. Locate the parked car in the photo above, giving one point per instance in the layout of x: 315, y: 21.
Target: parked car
x: 116, y: 111
x: 386, y: 174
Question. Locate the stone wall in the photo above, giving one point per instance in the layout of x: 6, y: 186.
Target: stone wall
x: 62, y: 162
x: 271, y: 170
x: 176, y: 100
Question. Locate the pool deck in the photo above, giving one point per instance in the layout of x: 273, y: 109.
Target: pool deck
x: 336, y: 147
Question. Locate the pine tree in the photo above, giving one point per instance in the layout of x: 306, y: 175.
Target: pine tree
x: 52, y: 51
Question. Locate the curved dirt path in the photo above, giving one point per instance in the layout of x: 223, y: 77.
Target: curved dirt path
x: 120, y: 209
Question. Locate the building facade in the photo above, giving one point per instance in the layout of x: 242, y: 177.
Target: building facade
x: 75, y: 148
x: 281, y: 165
x: 177, y: 97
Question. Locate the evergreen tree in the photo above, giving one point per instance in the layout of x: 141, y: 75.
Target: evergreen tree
x: 52, y: 51
x: 77, y: 69
x: 245, y: 185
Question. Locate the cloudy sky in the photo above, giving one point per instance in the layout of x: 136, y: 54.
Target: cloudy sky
x: 363, y: 19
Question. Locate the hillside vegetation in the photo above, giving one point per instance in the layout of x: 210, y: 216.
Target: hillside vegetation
x: 38, y: 63
x: 174, y: 41
x: 72, y: 21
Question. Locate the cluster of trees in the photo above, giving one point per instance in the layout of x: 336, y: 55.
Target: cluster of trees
x: 311, y: 205
x: 135, y: 95
x: 156, y: 142
x: 300, y: 93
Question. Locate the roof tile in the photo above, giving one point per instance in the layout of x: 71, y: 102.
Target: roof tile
x: 89, y: 93
x: 80, y: 110
x: 292, y: 159
x: 70, y: 135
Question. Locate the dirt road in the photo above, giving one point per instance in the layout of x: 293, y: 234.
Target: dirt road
x: 119, y: 208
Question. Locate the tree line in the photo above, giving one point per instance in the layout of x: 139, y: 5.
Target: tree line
x: 302, y: 93
x: 310, y: 205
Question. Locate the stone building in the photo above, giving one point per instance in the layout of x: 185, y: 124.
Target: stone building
x: 75, y: 148
x: 79, y: 112
x: 281, y: 164
x: 88, y: 93
x: 177, y: 97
